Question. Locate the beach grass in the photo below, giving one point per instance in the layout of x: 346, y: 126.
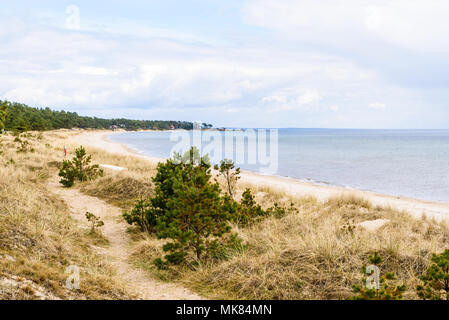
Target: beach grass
x: 314, y: 252
x: 39, y: 239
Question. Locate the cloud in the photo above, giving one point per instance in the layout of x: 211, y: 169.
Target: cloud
x: 377, y: 105
x: 415, y: 24
x: 300, y: 63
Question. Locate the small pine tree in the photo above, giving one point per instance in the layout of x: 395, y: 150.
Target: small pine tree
x: 144, y: 215
x: 3, y: 111
x: 195, y: 219
x: 81, y: 163
x: 435, y: 284
x: 248, y: 211
x: 376, y: 287
x: 79, y: 168
x: 231, y: 175
x: 94, y: 221
x: 68, y: 174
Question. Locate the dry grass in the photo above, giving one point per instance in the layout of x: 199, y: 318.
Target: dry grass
x: 313, y: 253
x: 38, y: 238
x: 122, y: 188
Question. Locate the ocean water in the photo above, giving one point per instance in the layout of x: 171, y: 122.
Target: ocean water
x: 411, y: 163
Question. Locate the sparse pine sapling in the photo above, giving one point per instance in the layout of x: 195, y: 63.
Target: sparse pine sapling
x: 230, y: 174
x: 435, y: 281
x: 376, y: 287
x: 95, y: 222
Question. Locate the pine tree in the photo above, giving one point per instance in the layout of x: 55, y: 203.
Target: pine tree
x: 3, y: 110
x: 380, y: 288
x: 79, y: 168
x: 435, y: 284
x: 231, y: 175
x: 194, y: 218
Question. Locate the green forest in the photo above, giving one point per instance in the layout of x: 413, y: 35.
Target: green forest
x: 20, y: 117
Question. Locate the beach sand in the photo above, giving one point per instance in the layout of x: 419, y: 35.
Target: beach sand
x: 295, y: 187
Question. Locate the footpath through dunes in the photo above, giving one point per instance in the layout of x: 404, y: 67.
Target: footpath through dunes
x: 117, y: 252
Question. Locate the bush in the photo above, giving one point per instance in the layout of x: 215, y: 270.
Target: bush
x: 194, y: 217
x: 190, y: 210
x: 435, y: 284
x: 380, y: 288
x: 3, y: 111
x: 94, y: 221
x: 79, y: 168
x: 231, y: 175
x: 248, y: 211
x: 144, y: 215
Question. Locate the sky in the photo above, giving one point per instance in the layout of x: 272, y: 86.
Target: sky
x: 249, y: 63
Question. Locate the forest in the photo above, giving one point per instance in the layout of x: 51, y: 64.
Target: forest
x: 20, y: 117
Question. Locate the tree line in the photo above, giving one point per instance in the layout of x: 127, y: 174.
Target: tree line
x: 20, y: 117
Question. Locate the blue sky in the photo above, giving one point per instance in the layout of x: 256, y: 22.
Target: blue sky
x: 250, y: 63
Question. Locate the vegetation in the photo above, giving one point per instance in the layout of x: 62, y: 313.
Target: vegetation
x: 20, y: 118
x: 95, y: 222
x: 435, y: 284
x: 190, y: 210
x: 231, y: 175
x: 38, y: 238
x: 304, y: 253
x: 79, y: 168
x: 3, y: 109
x: 377, y: 287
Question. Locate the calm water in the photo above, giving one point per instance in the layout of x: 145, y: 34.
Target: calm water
x: 411, y: 163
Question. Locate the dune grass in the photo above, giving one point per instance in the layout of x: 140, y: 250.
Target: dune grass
x: 315, y: 252
x: 38, y: 238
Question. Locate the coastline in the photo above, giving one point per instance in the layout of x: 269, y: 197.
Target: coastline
x: 291, y: 186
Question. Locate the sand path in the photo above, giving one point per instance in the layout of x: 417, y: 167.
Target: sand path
x: 117, y: 252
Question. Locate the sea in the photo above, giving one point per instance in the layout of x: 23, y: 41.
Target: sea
x: 409, y: 163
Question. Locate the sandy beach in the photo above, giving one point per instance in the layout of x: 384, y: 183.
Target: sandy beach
x: 417, y: 208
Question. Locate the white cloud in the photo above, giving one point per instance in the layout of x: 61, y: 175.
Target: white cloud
x: 142, y: 71
x: 377, y: 105
x: 416, y: 24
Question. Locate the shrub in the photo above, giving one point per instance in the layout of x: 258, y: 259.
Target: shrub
x: 194, y: 219
x: 380, y: 288
x: 189, y: 209
x: 68, y: 174
x: 435, y: 284
x: 94, y: 221
x: 79, y: 168
x: 144, y: 215
x: 231, y: 175
x: 248, y: 211
x: 3, y: 110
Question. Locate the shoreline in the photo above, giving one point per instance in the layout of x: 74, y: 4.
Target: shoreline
x: 288, y: 185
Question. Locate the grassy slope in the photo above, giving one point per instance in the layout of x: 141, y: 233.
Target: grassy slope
x: 308, y: 254
x: 38, y: 238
